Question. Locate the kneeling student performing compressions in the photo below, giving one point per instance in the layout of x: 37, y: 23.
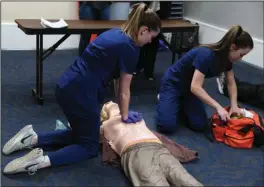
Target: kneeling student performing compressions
x: 80, y: 92
x: 181, y: 86
x: 145, y: 159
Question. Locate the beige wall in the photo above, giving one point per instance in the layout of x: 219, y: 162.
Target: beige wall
x: 225, y: 14
x: 36, y: 10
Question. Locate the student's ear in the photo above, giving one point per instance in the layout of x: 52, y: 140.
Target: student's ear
x: 233, y: 47
x: 143, y: 30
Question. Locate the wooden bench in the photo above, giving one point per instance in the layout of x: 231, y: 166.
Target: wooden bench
x: 33, y: 27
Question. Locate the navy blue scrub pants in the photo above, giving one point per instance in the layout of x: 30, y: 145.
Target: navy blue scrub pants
x: 172, y: 105
x: 82, y: 141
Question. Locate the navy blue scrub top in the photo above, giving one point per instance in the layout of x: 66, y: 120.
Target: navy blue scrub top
x: 200, y: 58
x: 103, y: 59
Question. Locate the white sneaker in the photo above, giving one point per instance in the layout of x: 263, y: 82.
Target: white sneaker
x: 20, y: 141
x: 220, y: 83
x: 28, y: 163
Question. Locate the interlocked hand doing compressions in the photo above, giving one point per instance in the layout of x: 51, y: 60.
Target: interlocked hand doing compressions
x: 133, y: 117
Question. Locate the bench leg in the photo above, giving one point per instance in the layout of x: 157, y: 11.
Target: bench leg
x: 41, y: 55
x: 38, y: 92
x: 173, y: 57
x: 174, y: 43
x: 181, y: 45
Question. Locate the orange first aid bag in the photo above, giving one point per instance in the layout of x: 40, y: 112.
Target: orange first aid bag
x: 238, y: 132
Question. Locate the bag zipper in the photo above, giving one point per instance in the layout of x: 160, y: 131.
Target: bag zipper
x: 239, y: 138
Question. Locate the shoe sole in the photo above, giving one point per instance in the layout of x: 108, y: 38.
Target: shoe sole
x: 9, y: 145
x: 16, y: 165
x: 220, y: 89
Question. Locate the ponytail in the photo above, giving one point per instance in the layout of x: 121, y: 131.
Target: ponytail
x: 235, y: 35
x: 228, y: 39
x: 141, y: 15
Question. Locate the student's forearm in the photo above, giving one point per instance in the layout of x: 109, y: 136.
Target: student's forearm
x: 116, y: 87
x: 232, y: 91
x: 202, y: 95
x: 232, y: 88
x: 124, y: 94
x: 123, y: 103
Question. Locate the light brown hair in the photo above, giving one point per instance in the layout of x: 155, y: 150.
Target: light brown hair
x: 235, y: 35
x: 141, y: 15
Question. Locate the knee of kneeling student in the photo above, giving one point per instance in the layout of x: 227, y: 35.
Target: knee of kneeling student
x: 166, y: 127
x: 196, y: 126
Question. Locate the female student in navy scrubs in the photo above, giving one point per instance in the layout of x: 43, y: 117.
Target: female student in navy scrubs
x: 181, y: 86
x: 80, y: 91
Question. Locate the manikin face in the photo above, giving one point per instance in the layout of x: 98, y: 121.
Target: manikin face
x: 145, y: 36
x: 236, y: 54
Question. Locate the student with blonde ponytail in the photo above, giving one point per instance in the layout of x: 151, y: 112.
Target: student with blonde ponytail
x: 80, y: 92
x: 182, y: 84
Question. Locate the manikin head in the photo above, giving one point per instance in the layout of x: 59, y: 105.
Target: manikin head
x: 109, y: 110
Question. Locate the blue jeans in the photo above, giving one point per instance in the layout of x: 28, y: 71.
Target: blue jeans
x: 87, y: 12
x: 119, y: 10
x: 173, y: 105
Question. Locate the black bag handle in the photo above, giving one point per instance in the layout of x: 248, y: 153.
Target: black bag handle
x: 258, y: 132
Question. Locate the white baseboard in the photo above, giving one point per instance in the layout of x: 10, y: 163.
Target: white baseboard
x: 12, y: 38
x: 209, y: 34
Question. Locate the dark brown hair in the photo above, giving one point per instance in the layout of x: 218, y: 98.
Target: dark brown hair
x: 141, y: 15
x: 235, y: 35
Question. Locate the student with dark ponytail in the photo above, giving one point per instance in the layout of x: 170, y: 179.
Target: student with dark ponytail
x: 80, y: 93
x: 182, y: 84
